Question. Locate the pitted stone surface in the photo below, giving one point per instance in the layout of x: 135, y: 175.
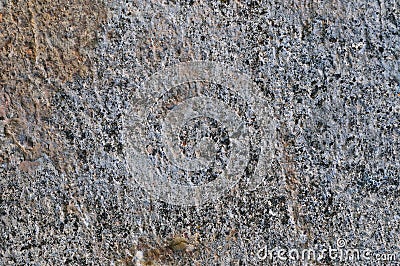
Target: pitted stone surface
x: 327, y: 72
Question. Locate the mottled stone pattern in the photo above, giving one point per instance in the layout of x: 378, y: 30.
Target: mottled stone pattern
x: 70, y: 69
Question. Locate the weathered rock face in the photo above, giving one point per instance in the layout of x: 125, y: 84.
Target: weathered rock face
x: 308, y: 91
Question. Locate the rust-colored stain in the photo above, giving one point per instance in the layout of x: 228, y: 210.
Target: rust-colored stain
x: 162, y: 252
x: 43, y: 44
x: 27, y: 166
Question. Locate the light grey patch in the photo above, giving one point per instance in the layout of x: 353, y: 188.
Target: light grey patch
x: 166, y: 128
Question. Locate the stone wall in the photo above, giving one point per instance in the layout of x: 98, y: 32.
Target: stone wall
x: 321, y: 123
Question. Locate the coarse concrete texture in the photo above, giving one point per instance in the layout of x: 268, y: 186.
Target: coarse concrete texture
x: 319, y: 130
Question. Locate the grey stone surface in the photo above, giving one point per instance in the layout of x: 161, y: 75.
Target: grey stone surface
x: 70, y: 75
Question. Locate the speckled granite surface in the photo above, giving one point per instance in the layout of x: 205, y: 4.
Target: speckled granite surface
x: 327, y: 72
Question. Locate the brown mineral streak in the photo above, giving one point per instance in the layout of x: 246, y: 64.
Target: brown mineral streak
x: 43, y: 44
